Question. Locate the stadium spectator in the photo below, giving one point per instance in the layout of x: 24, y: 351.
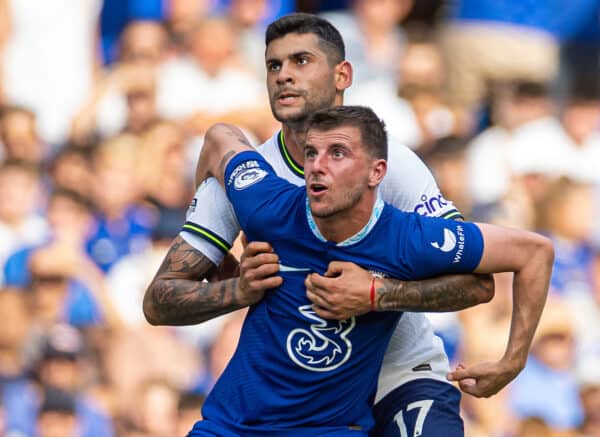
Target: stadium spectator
x: 487, y: 416
x: 484, y: 37
x: 49, y: 56
x: 57, y: 415
x: 182, y: 16
x: 155, y: 408
x: 128, y: 87
x: 16, y: 359
x: 21, y: 224
x: 115, y: 16
x: 62, y: 366
x: 247, y: 17
x: 580, y: 118
x: 547, y: 387
x: 123, y: 224
x: 566, y: 213
x: 18, y: 132
x: 588, y: 378
x: 211, y: 83
x: 373, y: 37
x: 67, y: 284
x: 526, y: 140
x: 72, y: 169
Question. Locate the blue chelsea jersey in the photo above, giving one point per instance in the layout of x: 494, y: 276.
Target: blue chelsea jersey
x: 294, y: 373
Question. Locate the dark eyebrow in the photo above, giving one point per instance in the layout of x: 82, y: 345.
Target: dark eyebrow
x: 301, y: 53
x: 294, y: 55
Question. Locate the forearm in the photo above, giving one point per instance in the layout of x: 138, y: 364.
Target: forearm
x: 171, y: 301
x: 443, y: 293
x: 530, y: 288
x: 178, y: 296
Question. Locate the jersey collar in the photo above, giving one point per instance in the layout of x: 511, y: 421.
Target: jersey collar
x: 359, y: 236
x: 295, y: 168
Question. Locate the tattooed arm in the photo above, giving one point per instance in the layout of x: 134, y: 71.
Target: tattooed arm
x: 344, y: 291
x: 443, y: 293
x: 178, y: 296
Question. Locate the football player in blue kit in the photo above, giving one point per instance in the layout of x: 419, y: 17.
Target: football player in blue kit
x: 295, y: 373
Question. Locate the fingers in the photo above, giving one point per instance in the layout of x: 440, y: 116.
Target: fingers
x: 459, y: 374
x: 244, y: 240
x: 259, y: 273
x: 336, y: 268
x: 266, y: 283
x: 259, y: 260
x: 327, y: 314
x: 256, y: 247
x: 319, y: 281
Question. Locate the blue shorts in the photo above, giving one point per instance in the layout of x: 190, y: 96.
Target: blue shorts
x: 423, y: 407
x: 207, y: 428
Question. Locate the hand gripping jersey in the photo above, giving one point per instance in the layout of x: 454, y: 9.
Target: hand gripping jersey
x: 294, y: 372
x: 212, y: 227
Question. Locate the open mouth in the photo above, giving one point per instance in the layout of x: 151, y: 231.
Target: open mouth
x: 316, y: 189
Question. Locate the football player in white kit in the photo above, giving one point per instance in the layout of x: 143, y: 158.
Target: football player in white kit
x: 306, y: 71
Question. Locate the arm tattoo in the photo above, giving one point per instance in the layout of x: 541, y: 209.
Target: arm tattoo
x: 240, y: 137
x: 226, y: 157
x: 177, y: 295
x: 444, y: 293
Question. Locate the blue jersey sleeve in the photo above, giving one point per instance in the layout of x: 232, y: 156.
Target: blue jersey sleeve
x: 435, y: 246
x: 262, y: 200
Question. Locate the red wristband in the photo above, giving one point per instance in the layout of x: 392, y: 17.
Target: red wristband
x: 373, y: 294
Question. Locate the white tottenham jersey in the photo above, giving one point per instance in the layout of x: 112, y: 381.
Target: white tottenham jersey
x: 414, y: 351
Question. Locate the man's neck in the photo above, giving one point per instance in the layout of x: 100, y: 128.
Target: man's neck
x: 294, y: 141
x: 348, y: 223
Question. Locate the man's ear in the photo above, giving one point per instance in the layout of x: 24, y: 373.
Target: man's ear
x: 378, y: 171
x: 343, y: 76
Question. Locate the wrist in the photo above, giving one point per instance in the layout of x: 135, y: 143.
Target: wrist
x: 373, y: 294
x: 514, y: 362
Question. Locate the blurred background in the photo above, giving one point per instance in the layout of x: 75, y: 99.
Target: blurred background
x: 103, y: 105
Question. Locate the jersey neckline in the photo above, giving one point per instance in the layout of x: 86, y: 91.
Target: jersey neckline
x: 294, y: 167
x: 356, y: 238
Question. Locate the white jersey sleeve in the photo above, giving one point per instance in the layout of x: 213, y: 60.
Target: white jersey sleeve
x: 211, y: 225
x: 410, y: 186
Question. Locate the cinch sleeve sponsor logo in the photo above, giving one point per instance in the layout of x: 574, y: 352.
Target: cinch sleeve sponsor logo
x: 429, y: 205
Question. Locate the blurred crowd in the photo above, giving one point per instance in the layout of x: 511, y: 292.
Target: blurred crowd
x: 103, y: 105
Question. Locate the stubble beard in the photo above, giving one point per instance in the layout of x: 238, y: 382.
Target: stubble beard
x: 349, y: 200
x: 297, y: 122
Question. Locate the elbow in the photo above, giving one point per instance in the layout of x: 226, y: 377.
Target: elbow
x: 149, y: 309
x: 546, y: 250
x: 487, y: 288
x: 218, y: 133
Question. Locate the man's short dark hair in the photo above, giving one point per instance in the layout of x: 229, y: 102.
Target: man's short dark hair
x: 330, y: 40
x: 372, y: 129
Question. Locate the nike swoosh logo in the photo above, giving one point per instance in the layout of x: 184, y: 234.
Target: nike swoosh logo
x: 284, y: 268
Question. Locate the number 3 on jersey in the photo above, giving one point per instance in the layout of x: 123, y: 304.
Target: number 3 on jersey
x: 423, y: 407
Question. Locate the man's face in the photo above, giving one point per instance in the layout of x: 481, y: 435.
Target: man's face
x: 336, y: 169
x: 300, y: 79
